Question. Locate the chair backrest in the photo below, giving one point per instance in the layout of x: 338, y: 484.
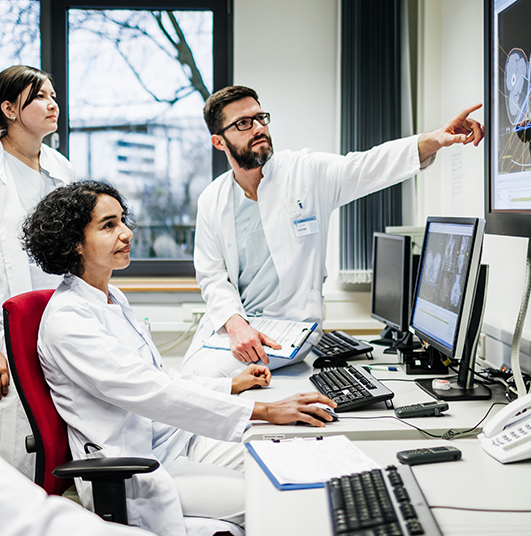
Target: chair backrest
x: 22, y: 316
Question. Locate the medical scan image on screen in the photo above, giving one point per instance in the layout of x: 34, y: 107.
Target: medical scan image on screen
x: 442, y: 279
x: 511, y: 148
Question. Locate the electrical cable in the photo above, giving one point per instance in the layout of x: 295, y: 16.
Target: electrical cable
x: 448, y: 435
x: 494, y: 510
x: 170, y: 345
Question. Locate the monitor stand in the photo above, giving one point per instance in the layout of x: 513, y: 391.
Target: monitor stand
x: 396, y: 341
x: 464, y: 387
x: 428, y: 361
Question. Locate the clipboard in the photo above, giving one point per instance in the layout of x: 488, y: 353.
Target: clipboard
x: 289, y: 333
x: 273, y: 478
x: 309, y: 462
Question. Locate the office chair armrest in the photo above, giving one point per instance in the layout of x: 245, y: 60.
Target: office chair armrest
x: 105, y: 468
x: 107, y: 476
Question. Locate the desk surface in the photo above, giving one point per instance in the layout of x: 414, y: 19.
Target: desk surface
x: 476, y: 481
x: 372, y: 422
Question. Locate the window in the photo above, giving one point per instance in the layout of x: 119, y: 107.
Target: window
x: 131, y: 83
x: 137, y: 83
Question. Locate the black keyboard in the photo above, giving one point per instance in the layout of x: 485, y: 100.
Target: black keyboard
x: 342, y: 345
x: 381, y: 502
x: 351, y: 387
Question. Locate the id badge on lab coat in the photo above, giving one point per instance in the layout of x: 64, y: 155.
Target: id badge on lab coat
x: 306, y: 226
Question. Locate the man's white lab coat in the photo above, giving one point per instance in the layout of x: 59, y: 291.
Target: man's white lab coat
x: 296, y: 186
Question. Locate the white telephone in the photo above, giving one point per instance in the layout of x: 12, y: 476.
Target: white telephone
x: 507, y: 436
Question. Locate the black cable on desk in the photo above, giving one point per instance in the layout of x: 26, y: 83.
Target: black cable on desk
x: 448, y: 435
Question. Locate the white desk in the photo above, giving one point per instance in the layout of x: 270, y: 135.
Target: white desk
x: 476, y: 481
x: 355, y: 425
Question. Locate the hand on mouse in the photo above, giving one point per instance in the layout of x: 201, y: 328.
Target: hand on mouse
x: 299, y: 407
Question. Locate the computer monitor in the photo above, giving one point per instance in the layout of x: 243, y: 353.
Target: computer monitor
x: 507, y: 117
x: 449, y: 301
x: 393, y: 277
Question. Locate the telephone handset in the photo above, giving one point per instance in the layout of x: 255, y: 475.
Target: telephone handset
x: 507, y: 436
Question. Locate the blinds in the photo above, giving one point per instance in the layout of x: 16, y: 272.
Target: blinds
x: 370, y: 115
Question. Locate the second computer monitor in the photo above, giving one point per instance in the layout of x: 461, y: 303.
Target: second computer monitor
x: 392, y: 283
x: 450, y: 299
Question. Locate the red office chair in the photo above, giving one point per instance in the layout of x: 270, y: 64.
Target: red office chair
x: 22, y: 316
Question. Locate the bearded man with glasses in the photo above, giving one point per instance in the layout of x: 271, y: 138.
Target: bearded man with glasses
x: 262, y: 226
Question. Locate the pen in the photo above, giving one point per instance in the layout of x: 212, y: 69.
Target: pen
x: 392, y: 369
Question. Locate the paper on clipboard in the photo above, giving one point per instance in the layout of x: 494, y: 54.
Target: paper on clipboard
x: 301, y: 463
x: 290, y: 334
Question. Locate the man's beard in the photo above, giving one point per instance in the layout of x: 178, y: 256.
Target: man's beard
x: 247, y: 158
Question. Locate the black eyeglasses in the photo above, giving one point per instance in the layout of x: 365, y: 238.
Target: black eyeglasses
x: 246, y: 123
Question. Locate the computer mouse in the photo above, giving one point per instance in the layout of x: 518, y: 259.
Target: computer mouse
x: 322, y: 419
x: 330, y: 412
x: 329, y: 361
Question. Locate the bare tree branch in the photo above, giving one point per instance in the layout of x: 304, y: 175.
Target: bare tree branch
x: 184, y: 53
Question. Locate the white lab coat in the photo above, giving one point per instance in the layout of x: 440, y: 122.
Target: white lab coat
x: 295, y: 185
x: 13, y: 423
x: 109, y: 384
x: 12, y: 215
x: 27, y: 510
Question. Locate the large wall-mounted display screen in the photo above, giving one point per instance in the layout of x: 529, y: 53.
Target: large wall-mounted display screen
x: 511, y: 143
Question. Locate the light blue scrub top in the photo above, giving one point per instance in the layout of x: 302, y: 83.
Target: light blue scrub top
x: 258, y: 279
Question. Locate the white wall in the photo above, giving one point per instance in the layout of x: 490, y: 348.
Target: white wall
x: 287, y: 52
x: 451, y: 78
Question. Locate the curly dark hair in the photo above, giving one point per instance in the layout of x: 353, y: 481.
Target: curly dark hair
x: 56, y: 226
x: 213, y: 110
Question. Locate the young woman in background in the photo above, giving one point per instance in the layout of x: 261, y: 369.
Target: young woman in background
x: 28, y: 171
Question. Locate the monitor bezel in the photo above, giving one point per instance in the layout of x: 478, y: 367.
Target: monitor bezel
x: 463, y: 319
x: 499, y: 222
x: 405, y: 280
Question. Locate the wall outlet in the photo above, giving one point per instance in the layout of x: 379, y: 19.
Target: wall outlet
x: 192, y: 308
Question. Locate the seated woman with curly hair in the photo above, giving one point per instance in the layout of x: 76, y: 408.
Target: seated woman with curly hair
x: 110, y: 385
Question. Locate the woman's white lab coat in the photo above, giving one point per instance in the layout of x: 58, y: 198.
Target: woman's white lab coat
x: 15, y: 259
x: 301, y: 185
x: 109, y: 384
x: 15, y: 274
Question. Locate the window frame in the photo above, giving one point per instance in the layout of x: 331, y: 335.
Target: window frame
x: 54, y: 59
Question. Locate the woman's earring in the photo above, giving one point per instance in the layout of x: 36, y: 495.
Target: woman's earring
x: 12, y: 118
